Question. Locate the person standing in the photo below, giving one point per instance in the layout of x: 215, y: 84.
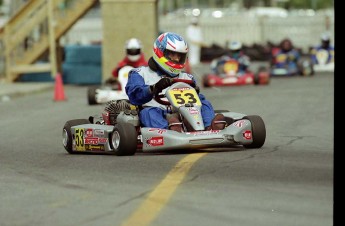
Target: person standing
x: 195, y: 40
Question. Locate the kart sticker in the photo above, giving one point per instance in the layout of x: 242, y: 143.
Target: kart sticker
x: 205, y: 133
x: 322, y: 56
x: 249, y: 80
x: 79, y: 139
x: 231, y: 67
x: 98, y: 132
x: 91, y: 140
x: 155, y: 141
x: 240, y: 123
x: 102, y: 140
x: 229, y: 80
x: 182, y: 96
x: 193, y: 111
x: 94, y: 147
x: 89, y: 133
x: 247, y: 135
x: 160, y: 131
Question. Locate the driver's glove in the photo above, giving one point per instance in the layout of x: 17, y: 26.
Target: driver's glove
x: 160, y: 85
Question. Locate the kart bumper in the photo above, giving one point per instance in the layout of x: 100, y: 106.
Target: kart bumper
x: 162, y: 140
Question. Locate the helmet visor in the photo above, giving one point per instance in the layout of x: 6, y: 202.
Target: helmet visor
x: 175, y: 57
x: 133, y: 51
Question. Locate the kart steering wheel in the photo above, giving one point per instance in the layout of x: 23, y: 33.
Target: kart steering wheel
x: 159, y: 97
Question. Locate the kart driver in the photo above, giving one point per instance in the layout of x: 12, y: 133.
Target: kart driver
x: 286, y: 55
x: 134, y: 57
x: 168, y: 60
x: 325, y: 45
x: 235, y: 53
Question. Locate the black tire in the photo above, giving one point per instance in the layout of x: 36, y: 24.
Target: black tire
x: 67, y: 134
x: 205, y: 81
x: 258, y: 131
x: 123, y: 139
x: 256, y: 79
x: 91, y: 95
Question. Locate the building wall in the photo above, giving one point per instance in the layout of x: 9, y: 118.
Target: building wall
x: 122, y: 20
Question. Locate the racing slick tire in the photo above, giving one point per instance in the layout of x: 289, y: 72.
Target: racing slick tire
x: 262, y: 77
x: 258, y: 131
x: 67, y: 134
x: 123, y: 139
x: 91, y: 95
x: 205, y: 81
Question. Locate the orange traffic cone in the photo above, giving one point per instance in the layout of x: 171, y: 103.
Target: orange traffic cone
x: 59, y: 94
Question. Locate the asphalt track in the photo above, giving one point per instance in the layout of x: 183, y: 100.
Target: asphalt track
x: 289, y: 181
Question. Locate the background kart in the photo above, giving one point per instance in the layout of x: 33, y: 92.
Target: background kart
x: 228, y: 75
x: 280, y: 67
x: 322, y: 62
x: 109, y: 91
x: 118, y: 131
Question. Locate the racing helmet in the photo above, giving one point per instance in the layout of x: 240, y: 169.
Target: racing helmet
x: 235, y: 48
x: 170, y: 53
x: 133, y: 49
x: 325, y: 40
x: 286, y: 45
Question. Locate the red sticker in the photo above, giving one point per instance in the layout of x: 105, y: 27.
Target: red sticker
x: 155, y: 141
x: 247, y: 135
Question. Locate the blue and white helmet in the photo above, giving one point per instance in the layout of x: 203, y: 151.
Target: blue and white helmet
x: 166, y: 44
x: 235, y: 45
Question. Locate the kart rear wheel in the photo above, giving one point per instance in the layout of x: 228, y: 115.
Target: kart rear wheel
x: 91, y: 95
x: 123, y: 139
x: 258, y: 131
x: 67, y: 134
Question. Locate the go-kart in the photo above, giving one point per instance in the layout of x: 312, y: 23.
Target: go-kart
x: 111, y: 90
x: 322, y: 60
x: 228, y: 74
x: 282, y: 67
x: 118, y: 130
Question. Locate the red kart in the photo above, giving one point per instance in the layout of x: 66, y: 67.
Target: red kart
x: 228, y: 74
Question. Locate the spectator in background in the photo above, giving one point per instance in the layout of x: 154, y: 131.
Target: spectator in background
x: 195, y: 40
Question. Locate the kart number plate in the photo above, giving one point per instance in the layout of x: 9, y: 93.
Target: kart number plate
x: 231, y: 68
x: 79, y: 140
x: 185, y: 95
x: 322, y: 56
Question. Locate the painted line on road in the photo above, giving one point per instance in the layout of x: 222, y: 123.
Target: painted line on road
x: 157, y: 199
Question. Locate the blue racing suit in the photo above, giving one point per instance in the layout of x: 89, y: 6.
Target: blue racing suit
x: 154, y: 114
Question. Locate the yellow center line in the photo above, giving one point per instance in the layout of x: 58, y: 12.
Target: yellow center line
x: 156, y: 200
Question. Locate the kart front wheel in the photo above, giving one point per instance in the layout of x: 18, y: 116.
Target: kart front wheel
x: 258, y: 131
x: 123, y: 139
x: 67, y: 138
x: 205, y: 81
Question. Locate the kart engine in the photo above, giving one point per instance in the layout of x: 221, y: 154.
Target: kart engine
x: 114, y: 107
